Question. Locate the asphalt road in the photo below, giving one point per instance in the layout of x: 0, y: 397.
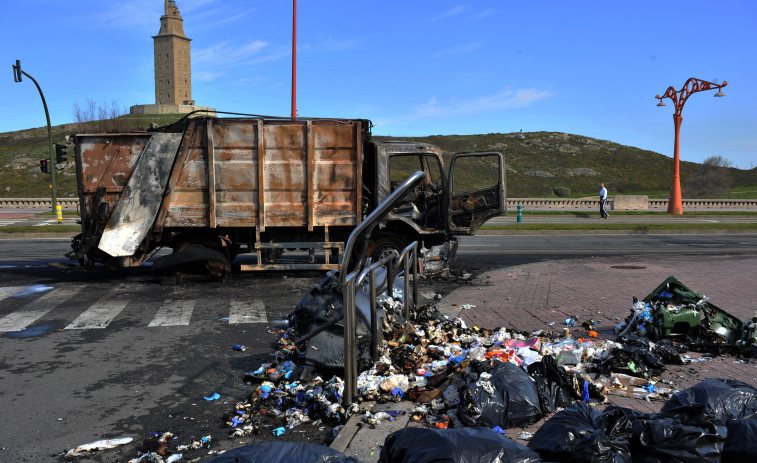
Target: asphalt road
x: 98, y: 354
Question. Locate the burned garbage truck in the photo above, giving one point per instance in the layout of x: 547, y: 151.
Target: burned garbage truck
x: 287, y: 191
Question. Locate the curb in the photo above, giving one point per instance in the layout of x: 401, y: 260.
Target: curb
x: 359, y: 440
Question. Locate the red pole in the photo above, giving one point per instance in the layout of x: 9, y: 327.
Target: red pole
x: 294, y: 59
x: 675, y: 206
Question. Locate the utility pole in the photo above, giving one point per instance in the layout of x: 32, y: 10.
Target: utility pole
x: 294, y: 59
x: 17, y: 72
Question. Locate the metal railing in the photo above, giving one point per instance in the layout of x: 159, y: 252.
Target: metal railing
x: 406, y: 264
x: 352, y: 270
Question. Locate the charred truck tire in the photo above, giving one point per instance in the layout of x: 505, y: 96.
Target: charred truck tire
x: 196, y: 257
x: 384, y: 244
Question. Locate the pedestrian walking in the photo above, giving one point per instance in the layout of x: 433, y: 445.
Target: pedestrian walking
x: 602, y: 200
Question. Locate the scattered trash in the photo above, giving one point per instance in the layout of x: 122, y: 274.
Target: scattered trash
x: 463, y: 376
x: 215, y: 396
x: 239, y: 347
x: 673, y: 311
x: 525, y: 435
x: 150, y: 457
x: 104, y: 444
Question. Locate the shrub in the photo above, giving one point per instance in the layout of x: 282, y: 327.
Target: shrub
x: 562, y: 191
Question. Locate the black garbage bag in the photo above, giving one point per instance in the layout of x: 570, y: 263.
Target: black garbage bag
x: 634, y: 341
x: 320, y: 317
x: 664, y: 440
x: 557, y: 388
x: 512, y: 400
x: 464, y: 445
x: 633, y: 361
x: 669, y: 351
x: 580, y: 434
x: 712, y: 401
x: 282, y: 452
x: 740, y: 446
x: 694, y: 424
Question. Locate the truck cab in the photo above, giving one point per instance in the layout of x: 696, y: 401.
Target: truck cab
x: 447, y: 204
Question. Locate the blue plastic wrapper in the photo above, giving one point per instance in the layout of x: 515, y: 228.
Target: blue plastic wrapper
x: 278, y: 431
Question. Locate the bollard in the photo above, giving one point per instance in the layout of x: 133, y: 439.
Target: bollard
x: 58, y: 211
x: 520, y: 213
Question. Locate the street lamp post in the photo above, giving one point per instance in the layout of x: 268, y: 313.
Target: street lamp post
x: 679, y: 97
x: 17, y: 72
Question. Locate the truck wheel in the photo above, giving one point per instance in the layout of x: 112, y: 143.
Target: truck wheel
x: 211, y: 242
x: 385, y: 244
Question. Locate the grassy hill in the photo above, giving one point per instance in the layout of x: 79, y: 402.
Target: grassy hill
x: 538, y: 163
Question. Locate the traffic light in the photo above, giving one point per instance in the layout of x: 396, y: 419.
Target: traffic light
x: 43, y: 166
x: 60, y: 153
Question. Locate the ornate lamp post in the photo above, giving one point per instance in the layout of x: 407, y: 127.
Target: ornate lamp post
x: 679, y: 98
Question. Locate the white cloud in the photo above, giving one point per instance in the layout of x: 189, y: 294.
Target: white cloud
x: 222, y: 56
x: 456, y: 11
x: 504, y: 100
x: 133, y: 14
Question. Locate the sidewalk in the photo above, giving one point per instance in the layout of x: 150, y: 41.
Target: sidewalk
x: 529, y: 297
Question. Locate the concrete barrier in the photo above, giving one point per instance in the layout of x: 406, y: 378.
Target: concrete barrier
x: 656, y: 205
x: 630, y: 203
x: 38, y: 203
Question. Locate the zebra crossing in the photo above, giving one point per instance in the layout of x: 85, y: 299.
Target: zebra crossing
x: 26, y: 308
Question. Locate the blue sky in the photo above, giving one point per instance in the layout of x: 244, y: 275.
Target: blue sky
x: 413, y: 67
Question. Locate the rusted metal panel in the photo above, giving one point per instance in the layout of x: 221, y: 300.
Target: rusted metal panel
x: 266, y: 173
x: 108, y: 160
x: 138, y: 205
x: 211, y: 154
x: 261, y: 178
x: 311, y: 174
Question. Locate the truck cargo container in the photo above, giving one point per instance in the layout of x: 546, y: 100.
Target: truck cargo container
x: 287, y: 191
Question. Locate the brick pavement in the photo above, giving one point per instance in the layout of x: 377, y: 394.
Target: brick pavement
x: 528, y: 297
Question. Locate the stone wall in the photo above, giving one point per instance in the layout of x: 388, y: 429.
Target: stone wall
x: 168, y: 109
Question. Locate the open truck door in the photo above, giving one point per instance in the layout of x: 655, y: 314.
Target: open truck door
x: 476, y: 186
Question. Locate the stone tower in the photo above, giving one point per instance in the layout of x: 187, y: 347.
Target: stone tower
x: 173, y: 74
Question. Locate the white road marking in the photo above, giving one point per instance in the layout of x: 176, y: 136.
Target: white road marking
x: 173, y: 313
x: 100, y: 314
x: 247, y: 312
x: 33, y: 311
x: 8, y: 291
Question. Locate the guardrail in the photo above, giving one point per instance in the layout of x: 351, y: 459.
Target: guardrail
x: 512, y: 203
